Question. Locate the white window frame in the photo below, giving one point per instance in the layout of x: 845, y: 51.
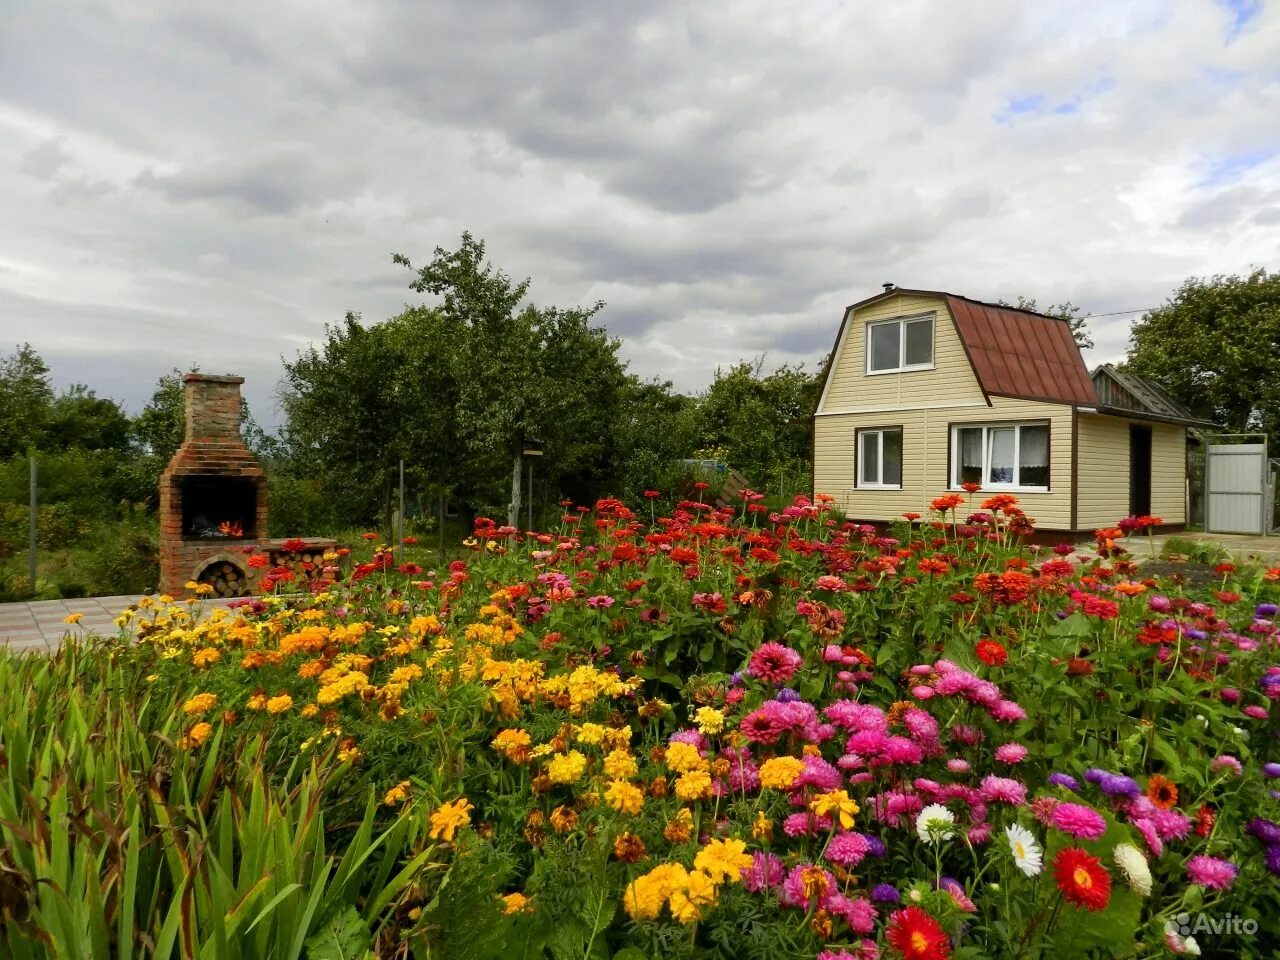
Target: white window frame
x: 1015, y: 487
x: 903, y: 366
x: 878, y: 433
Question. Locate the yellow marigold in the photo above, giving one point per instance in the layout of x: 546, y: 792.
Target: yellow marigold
x: 723, y: 860
x: 256, y: 702
x: 620, y: 764
x: 687, y: 903
x: 709, y: 720
x: 311, y: 669
x: 345, y: 685
x: 448, y: 818
x: 680, y: 827
x: 514, y: 744
x: 693, y: 785
x: 624, y: 797
x: 405, y: 675
x: 196, y: 736
x: 279, y: 704
x: 762, y: 829
x: 200, y: 703
x: 567, y: 767
x: 397, y: 794
x: 205, y: 657
x: 309, y: 711
x: 351, y: 754
x: 644, y: 897
x: 564, y: 819
x: 74, y: 618
x: 835, y: 803
x: 590, y: 734
x: 780, y: 772
x: 617, y: 738
x: 682, y: 757
x: 516, y: 903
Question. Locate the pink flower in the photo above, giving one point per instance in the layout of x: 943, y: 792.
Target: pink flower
x: 1011, y: 753
x: 847, y: 849
x: 1006, y: 711
x: 1170, y: 824
x: 1003, y: 790
x: 1229, y: 763
x: 774, y: 663
x: 957, y: 765
x: 1079, y: 821
x: 1211, y: 872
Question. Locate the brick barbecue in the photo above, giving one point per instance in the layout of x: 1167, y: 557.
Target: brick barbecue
x: 213, y: 493
x: 213, y: 500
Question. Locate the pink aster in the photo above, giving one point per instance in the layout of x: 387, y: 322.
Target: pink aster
x: 766, y: 871
x: 1079, y: 821
x: 774, y: 663
x: 1211, y: 872
x: 1149, y: 834
x: 847, y: 849
x: 901, y: 750
x: 853, y: 716
x: 920, y: 724
x: 1171, y: 824
x: 819, y: 774
x: 1006, y: 711
x: 760, y: 727
x: 1011, y: 753
x: 1003, y: 790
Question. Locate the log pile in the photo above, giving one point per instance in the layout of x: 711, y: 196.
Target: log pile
x: 227, y: 580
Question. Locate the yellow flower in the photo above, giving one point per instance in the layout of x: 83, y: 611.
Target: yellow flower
x: 204, y: 589
x: 680, y: 827
x: 516, y: 903
x: 190, y: 585
x: 397, y: 794
x: 835, y: 803
x: 73, y: 618
x: 514, y: 744
x: 256, y: 702
x: 567, y: 768
x: 309, y: 711
x: 780, y: 772
x: 694, y: 785
x: 196, y: 736
x: 762, y: 829
x: 709, y: 720
x: 448, y: 818
x: 624, y: 797
x: 279, y: 704
x: 200, y: 703
x: 590, y: 733
x: 682, y: 757
x: 687, y: 903
x: 351, y: 754
x: 620, y: 764
x: 723, y: 860
x: 645, y: 895
x: 205, y: 657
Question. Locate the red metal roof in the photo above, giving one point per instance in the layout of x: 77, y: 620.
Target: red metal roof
x: 1016, y: 353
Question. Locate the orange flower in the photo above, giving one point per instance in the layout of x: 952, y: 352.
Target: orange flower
x: 1162, y: 791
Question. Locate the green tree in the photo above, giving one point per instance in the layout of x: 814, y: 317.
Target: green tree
x: 80, y: 418
x: 1066, y: 310
x: 160, y: 426
x: 1215, y: 346
x: 26, y: 401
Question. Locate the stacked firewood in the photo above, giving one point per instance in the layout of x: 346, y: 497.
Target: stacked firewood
x: 226, y: 579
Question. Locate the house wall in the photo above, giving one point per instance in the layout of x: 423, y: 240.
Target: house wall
x: 926, y: 455
x: 951, y: 381
x: 1103, y: 471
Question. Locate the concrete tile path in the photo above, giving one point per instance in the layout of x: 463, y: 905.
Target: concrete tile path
x: 41, y: 624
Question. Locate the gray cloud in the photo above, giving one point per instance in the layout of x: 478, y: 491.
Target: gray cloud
x: 218, y: 185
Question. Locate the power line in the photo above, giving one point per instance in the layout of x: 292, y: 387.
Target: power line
x: 1118, y: 313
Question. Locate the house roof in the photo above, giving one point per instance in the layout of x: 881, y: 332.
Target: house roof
x: 1126, y: 394
x: 1013, y: 353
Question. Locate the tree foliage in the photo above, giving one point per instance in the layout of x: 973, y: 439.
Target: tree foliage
x: 1215, y: 346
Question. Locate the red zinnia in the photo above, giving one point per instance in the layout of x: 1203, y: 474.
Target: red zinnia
x: 991, y: 652
x: 917, y: 936
x: 1082, y: 879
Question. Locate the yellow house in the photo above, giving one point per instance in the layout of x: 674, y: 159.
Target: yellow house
x: 928, y: 390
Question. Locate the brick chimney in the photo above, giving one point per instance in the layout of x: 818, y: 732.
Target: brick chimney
x: 213, y: 493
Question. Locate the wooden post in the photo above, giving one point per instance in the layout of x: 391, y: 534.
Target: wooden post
x: 32, y: 537
x: 513, y: 509
x: 400, y: 516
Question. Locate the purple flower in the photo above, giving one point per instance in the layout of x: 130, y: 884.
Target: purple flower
x: 875, y: 847
x: 1267, y: 832
x: 1271, y: 769
x: 885, y: 893
x: 1118, y: 785
x: 787, y: 695
x: 1272, y: 859
x: 1065, y: 780
x: 1265, y: 610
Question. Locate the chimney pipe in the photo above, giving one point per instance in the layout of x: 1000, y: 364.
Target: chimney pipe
x: 888, y: 287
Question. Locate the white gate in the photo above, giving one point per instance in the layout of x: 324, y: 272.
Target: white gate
x: 1239, y: 492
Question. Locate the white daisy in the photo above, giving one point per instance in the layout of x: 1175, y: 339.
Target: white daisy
x: 1027, y: 855
x: 1134, y: 867
x: 935, y: 823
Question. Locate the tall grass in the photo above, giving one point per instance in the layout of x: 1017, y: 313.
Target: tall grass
x: 115, y: 842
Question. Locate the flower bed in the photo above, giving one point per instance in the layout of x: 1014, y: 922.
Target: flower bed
x: 730, y: 732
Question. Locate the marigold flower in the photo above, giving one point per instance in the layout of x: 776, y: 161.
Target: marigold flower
x: 446, y: 820
x: 679, y: 828
x: 567, y: 767
x: 73, y: 618
x: 280, y: 703
x: 629, y: 848
x: 779, y: 773
x: 564, y: 819
x: 200, y: 703
x: 624, y: 797
x: 687, y: 903
x: 836, y: 804
x: 693, y: 785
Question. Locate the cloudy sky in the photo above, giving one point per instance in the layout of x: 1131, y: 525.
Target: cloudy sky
x: 212, y: 183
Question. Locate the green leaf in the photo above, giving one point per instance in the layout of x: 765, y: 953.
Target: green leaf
x: 342, y: 936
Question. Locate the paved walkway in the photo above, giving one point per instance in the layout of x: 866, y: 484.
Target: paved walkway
x: 41, y: 624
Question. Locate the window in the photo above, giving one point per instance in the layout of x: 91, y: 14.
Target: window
x: 880, y: 458
x: 903, y: 344
x: 1001, y: 455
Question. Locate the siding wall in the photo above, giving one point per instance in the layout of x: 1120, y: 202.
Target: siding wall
x: 926, y: 446
x: 951, y: 380
x: 1103, y: 472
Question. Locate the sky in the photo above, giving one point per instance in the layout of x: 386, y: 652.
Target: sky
x: 212, y: 184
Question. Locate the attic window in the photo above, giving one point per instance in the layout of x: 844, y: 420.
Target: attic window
x: 904, y: 343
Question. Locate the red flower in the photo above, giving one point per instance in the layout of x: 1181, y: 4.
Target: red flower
x: 948, y: 502
x: 1082, y: 879
x: 911, y: 516
x: 410, y: 541
x: 652, y: 494
x: 970, y: 487
x: 917, y: 936
x: 368, y: 536
x: 294, y: 545
x: 1204, y: 820
x: 991, y: 652
x: 259, y: 560
x: 410, y: 569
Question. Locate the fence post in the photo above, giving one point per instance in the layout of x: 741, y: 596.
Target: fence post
x: 32, y: 538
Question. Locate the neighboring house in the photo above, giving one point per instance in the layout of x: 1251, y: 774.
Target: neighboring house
x: 927, y: 390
